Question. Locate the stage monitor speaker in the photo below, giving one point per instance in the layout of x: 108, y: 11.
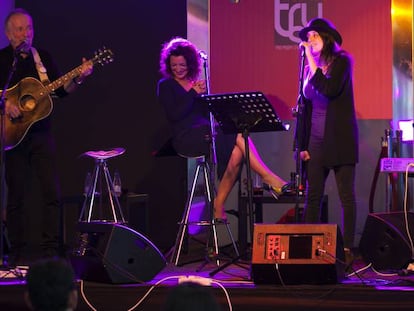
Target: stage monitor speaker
x: 385, y: 243
x: 297, y: 254
x: 113, y: 253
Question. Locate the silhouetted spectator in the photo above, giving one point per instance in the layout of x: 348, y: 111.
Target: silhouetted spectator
x: 51, y: 286
x: 190, y: 296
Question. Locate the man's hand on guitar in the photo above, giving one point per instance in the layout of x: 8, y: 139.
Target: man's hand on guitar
x: 12, y: 111
x: 86, y: 70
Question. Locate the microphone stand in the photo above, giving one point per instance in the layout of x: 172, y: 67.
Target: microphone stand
x: 213, y: 154
x: 4, y: 263
x: 212, y: 161
x: 298, y: 112
x: 213, y: 133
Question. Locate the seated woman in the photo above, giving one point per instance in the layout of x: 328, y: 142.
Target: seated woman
x: 177, y: 92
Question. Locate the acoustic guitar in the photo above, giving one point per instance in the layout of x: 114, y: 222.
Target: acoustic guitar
x: 33, y: 99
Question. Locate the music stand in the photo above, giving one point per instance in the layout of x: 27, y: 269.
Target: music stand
x: 243, y: 113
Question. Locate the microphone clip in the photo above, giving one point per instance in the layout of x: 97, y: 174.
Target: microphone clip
x: 203, y: 55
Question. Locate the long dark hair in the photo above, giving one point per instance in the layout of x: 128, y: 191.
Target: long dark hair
x: 180, y: 47
x: 331, y: 48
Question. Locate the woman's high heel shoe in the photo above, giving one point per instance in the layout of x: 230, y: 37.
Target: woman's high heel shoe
x: 277, y: 192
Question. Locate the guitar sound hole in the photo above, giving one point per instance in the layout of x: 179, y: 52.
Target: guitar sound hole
x: 27, y: 103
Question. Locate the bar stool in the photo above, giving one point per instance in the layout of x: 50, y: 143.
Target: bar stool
x: 100, y: 172
x: 203, y: 166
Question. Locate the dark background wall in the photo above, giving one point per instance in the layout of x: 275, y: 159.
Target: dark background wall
x: 117, y: 106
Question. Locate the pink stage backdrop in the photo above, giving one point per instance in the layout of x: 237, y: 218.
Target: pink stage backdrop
x: 253, y: 47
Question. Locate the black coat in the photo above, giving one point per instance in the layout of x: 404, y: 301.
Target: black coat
x: 340, y: 144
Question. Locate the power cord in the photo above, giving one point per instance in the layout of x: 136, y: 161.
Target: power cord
x: 180, y: 278
x: 407, y: 227
x: 321, y: 252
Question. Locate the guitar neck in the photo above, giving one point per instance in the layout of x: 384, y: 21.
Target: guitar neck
x: 102, y: 57
x: 63, y: 79
x: 30, y: 96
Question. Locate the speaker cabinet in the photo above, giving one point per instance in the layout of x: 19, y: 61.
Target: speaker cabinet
x: 113, y: 253
x: 297, y: 254
x: 385, y: 242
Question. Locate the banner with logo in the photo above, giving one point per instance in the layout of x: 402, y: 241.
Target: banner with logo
x: 254, y: 46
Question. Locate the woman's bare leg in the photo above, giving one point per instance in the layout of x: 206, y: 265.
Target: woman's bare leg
x: 227, y: 182
x: 232, y: 171
x: 257, y: 165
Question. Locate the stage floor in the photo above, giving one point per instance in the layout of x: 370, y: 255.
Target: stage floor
x: 365, y: 289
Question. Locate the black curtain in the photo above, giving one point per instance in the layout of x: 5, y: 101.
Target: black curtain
x: 116, y: 106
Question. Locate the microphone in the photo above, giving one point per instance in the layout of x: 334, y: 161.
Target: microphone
x: 302, y: 50
x: 203, y: 55
x: 22, y: 47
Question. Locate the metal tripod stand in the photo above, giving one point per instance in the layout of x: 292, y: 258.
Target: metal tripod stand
x: 203, y: 167
x: 101, y: 171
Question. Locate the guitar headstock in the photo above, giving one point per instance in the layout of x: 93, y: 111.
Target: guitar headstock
x: 103, y: 56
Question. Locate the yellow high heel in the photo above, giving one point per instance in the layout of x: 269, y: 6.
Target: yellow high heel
x: 276, y: 192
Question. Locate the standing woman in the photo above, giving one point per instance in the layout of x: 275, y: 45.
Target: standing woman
x: 189, y: 120
x: 330, y: 132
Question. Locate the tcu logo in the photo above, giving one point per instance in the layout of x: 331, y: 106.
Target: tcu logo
x: 291, y: 16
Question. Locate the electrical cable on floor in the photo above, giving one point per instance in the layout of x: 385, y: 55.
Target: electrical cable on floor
x: 321, y: 252
x: 407, y: 227
x: 84, y: 296
x: 382, y: 273
x: 181, y: 278
x: 293, y: 293
x: 187, y: 278
x: 150, y: 290
x: 360, y: 270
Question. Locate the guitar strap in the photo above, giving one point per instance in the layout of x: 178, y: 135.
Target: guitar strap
x: 41, y: 70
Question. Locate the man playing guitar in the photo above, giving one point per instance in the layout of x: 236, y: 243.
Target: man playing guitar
x: 34, y: 155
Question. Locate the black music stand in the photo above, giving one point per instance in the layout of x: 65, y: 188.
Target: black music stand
x: 243, y: 113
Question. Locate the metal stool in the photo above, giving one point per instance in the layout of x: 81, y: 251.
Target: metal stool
x: 101, y: 171
x: 202, y: 165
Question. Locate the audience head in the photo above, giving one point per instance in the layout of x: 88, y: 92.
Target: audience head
x: 51, y: 286
x: 189, y: 296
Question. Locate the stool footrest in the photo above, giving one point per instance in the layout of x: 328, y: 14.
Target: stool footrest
x: 110, y: 221
x: 205, y: 222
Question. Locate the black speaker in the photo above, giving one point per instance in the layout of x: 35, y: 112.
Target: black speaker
x: 385, y: 242
x: 297, y: 254
x: 113, y: 253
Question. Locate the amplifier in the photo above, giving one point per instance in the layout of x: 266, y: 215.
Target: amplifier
x: 303, y: 253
